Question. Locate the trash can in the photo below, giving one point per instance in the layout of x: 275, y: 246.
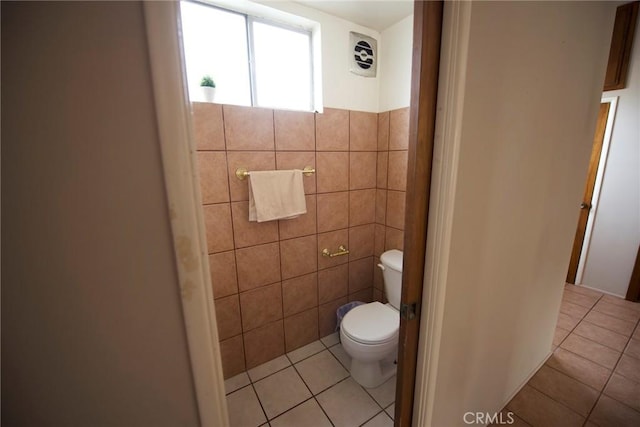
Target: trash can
x: 343, y: 310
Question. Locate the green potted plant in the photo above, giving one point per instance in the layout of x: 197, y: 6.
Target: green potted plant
x: 208, y: 87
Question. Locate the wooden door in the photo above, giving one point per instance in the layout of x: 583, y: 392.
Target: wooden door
x: 633, y: 292
x: 427, y: 27
x: 585, y: 206
x: 620, y: 50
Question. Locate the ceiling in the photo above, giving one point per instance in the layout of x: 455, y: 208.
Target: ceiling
x: 375, y: 14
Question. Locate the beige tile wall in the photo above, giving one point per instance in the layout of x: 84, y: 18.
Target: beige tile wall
x: 273, y: 290
x: 391, y: 183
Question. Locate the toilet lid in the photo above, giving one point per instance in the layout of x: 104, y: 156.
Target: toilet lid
x: 392, y: 259
x: 371, y: 323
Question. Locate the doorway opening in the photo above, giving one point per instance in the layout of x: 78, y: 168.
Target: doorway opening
x: 198, y: 296
x: 593, y: 184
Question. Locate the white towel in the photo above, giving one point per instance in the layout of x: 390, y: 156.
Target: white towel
x: 276, y: 195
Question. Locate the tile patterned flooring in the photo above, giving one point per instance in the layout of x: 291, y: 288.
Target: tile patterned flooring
x: 310, y: 387
x: 593, y: 377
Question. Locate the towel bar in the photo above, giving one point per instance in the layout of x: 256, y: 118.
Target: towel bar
x: 242, y: 173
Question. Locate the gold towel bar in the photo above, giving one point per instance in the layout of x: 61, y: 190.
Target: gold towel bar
x: 242, y: 173
x: 341, y: 251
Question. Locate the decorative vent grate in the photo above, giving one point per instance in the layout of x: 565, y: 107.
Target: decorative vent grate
x: 363, y: 54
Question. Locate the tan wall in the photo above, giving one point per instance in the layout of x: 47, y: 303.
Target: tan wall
x: 92, y: 330
x: 533, y: 83
x: 273, y: 290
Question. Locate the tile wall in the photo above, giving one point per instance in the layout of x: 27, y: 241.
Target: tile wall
x: 273, y: 290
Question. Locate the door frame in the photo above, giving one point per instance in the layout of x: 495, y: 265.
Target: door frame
x: 178, y: 148
x: 633, y: 291
x: 589, y: 187
x: 456, y: 26
x: 427, y: 31
x: 179, y: 159
x: 602, y: 164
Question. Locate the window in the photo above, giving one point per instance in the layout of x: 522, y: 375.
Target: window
x: 252, y: 61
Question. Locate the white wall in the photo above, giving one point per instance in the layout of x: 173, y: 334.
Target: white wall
x: 520, y: 175
x: 340, y: 88
x: 395, y: 65
x: 92, y: 328
x: 616, y: 233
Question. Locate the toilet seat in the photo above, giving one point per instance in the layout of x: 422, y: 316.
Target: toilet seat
x: 372, y: 323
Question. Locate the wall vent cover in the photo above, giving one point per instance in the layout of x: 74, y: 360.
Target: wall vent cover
x: 363, y: 53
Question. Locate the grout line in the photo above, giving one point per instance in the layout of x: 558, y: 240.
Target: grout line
x: 586, y: 417
x: 323, y: 411
x: 288, y: 410
x: 610, y: 375
x: 612, y: 315
x: 594, y: 406
x: 260, y: 402
x: 528, y: 383
x: 376, y: 414
x: 601, y: 327
x: 295, y: 406
x: 592, y: 361
x: 235, y: 391
x: 257, y: 397
x: 559, y: 402
x: 306, y: 357
x: 595, y: 342
x: 601, y: 393
x: 271, y: 374
x: 604, y: 327
x: 317, y: 231
x: 224, y: 128
x: 285, y: 367
x: 564, y: 373
x: 613, y: 398
x: 313, y: 396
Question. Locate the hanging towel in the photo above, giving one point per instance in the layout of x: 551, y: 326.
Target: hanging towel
x: 276, y: 195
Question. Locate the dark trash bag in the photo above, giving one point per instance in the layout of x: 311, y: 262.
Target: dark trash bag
x: 344, y: 309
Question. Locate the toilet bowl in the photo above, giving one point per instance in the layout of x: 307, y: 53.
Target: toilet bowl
x: 369, y: 332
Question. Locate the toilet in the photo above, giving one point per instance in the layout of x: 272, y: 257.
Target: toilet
x: 369, y: 332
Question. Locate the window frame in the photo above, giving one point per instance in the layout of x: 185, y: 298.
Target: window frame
x: 249, y: 20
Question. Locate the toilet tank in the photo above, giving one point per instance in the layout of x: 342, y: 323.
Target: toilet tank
x: 392, y: 274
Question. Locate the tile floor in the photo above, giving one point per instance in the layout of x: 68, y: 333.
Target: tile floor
x: 593, y: 377
x: 310, y: 387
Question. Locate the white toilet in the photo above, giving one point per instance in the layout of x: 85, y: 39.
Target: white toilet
x: 369, y: 332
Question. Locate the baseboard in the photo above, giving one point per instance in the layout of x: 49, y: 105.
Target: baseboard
x: 600, y: 290
x: 504, y: 404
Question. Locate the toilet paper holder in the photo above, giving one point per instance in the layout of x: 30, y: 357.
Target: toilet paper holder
x: 341, y: 251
